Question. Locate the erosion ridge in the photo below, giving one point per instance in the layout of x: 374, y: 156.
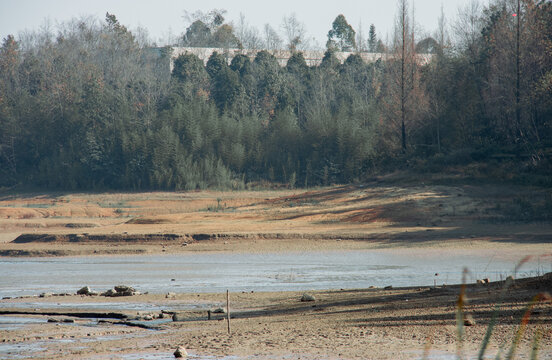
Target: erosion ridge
x: 76, y: 238
x: 163, y: 238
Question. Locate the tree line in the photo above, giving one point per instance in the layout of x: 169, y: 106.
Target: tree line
x: 93, y: 106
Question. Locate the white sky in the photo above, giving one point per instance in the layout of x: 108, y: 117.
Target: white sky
x: 161, y: 15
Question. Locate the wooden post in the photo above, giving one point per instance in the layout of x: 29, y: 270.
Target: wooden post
x: 228, y: 310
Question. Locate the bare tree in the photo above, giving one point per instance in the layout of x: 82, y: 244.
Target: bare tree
x: 272, y: 40
x: 405, y: 100
x: 442, y: 35
x: 168, y: 38
x: 514, y: 58
x: 436, y: 104
x: 518, y: 57
x: 361, y: 39
x: 467, y: 28
x: 295, y: 32
x: 248, y: 35
x: 401, y: 46
x: 213, y: 18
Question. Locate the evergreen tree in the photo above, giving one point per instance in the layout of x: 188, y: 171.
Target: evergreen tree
x: 342, y: 36
x: 372, y: 39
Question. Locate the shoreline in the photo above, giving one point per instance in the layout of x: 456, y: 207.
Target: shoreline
x: 339, y: 324
x: 78, y: 244
x: 398, y: 323
x: 514, y: 252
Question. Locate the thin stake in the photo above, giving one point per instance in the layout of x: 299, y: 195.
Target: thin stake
x: 228, y: 310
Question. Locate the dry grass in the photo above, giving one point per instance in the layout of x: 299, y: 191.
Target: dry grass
x: 412, y: 215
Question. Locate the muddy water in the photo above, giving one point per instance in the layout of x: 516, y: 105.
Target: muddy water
x: 216, y: 272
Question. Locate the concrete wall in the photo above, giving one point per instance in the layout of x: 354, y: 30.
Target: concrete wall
x: 312, y: 58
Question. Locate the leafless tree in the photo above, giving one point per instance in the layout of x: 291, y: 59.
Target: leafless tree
x: 405, y: 101
x: 515, y: 61
x: 295, y: 32
x: 467, y: 28
x: 360, y: 39
x: 213, y: 18
x: 248, y: 35
x: 402, y: 50
x: 272, y: 40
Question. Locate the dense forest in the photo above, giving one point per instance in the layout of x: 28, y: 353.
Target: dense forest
x: 92, y: 106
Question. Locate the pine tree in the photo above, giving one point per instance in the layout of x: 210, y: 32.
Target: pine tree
x: 372, y: 39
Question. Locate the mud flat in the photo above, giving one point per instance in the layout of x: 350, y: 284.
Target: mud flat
x: 393, y: 323
x: 397, y: 323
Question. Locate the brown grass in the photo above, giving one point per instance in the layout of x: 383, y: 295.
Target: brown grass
x: 374, y: 213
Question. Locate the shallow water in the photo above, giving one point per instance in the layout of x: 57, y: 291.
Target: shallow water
x: 18, y: 351
x: 28, y: 349
x: 110, y: 306
x: 16, y: 322
x: 216, y: 272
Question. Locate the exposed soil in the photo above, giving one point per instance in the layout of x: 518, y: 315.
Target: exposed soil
x: 340, y: 324
x: 376, y: 214
x: 343, y: 324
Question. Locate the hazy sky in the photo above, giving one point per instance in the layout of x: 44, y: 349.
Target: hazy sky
x: 161, y: 15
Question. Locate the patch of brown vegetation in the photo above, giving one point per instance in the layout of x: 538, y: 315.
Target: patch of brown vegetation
x: 404, y: 214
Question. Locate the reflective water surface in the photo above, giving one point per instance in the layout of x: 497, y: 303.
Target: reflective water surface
x: 216, y: 272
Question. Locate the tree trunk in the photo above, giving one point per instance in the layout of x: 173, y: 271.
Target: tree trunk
x: 518, y: 70
x: 403, y: 90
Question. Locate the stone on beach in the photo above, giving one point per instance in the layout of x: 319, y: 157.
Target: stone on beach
x: 121, y: 290
x: 178, y: 317
x: 84, y: 291
x: 469, y: 320
x: 124, y: 290
x: 109, y: 292
x: 307, y: 297
x: 180, y: 352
